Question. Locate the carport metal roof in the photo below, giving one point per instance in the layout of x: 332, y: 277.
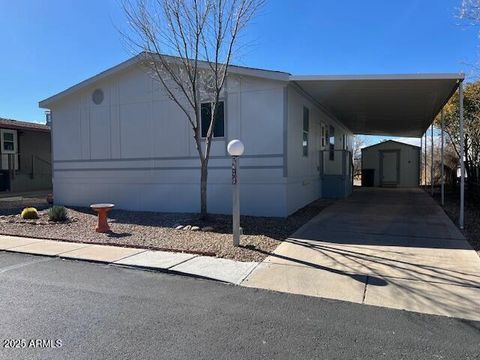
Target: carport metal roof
x: 392, y: 105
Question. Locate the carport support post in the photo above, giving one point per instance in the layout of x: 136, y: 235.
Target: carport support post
x: 431, y: 159
x: 461, y: 219
x: 442, y: 170
x: 420, y: 162
x: 425, y: 166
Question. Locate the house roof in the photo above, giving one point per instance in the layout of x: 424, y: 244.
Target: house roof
x: 22, y: 125
x: 392, y: 105
x: 234, y: 69
x: 390, y: 141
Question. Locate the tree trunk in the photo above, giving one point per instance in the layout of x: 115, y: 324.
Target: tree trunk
x: 203, y: 190
x: 467, y: 163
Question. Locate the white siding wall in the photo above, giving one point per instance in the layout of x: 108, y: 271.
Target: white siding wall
x: 303, y: 173
x: 409, y: 162
x: 137, y: 151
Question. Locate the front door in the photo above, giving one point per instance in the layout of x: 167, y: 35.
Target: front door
x: 389, y: 168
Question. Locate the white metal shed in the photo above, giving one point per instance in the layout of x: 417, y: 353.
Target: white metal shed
x: 394, y: 164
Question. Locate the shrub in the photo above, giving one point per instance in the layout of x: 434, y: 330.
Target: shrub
x: 29, y: 213
x: 57, y: 213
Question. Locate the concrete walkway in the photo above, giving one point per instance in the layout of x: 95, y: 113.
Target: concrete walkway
x: 387, y: 247
x: 224, y: 270
x: 23, y: 195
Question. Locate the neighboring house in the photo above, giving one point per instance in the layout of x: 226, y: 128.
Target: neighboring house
x: 117, y: 137
x: 25, y: 156
x: 391, y: 164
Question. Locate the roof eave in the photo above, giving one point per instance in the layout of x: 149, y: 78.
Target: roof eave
x: 432, y: 76
x: 239, y: 70
x: 26, y: 128
x: 46, y: 102
x: 386, y: 141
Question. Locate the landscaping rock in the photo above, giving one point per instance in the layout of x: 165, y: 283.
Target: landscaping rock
x: 156, y: 231
x: 187, y: 227
x: 195, y: 228
x: 179, y: 227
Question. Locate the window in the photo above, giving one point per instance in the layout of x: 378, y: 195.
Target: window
x: 219, y: 129
x: 331, y: 143
x: 306, y: 121
x: 8, y: 141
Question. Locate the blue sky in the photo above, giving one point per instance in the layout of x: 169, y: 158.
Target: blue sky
x: 47, y: 46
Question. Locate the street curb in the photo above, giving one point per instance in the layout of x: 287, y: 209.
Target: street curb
x: 141, y: 247
x: 132, y: 267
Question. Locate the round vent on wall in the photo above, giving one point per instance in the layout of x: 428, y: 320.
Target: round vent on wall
x: 97, y: 96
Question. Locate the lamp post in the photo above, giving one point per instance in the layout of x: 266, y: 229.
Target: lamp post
x: 235, y: 148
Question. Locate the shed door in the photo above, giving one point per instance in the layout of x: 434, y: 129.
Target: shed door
x: 389, y: 167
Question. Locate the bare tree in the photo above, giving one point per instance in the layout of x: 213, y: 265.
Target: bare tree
x: 188, y: 46
x: 358, y: 144
x: 470, y: 11
x: 471, y: 143
x: 469, y: 14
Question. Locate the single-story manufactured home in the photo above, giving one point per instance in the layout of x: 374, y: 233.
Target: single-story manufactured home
x: 25, y: 156
x: 391, y: 164
x: 117, y: 137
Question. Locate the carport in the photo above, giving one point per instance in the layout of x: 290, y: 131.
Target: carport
x: 390, y: 105
x: 392, y: 247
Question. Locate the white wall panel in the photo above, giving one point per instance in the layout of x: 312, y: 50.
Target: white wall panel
x: 68, y: 137
x: 304, y: 182
x: 135, y: 130
x: 262, y: 121
x: 100, y: 135
x: 170, y: 130
x: 172, y: 190
x: 136, y: 149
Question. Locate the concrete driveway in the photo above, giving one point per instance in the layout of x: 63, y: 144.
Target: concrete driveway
x: 386, y: 247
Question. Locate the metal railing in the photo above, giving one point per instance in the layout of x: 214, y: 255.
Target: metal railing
x: 33, y: 165
x: 40, y: 167
x: 336, y: 172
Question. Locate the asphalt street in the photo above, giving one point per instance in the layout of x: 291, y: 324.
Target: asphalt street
x: 62, y: 309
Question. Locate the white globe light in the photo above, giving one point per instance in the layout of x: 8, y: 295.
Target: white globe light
x: 235, y: 148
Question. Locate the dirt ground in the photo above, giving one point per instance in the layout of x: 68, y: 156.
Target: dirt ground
x: 472, y: 214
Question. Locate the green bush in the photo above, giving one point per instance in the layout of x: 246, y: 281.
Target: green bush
x: 29, y: 213
x: 57, y: 213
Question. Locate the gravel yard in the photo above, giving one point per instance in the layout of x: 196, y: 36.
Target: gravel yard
x: 157, y: 230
